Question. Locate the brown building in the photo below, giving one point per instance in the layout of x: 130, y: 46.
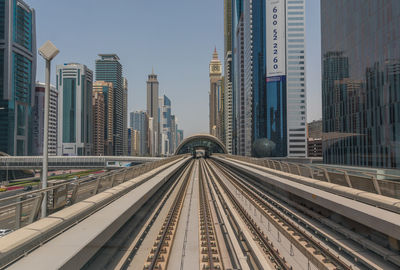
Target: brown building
x: 98, y: 122
x: 108, y: 93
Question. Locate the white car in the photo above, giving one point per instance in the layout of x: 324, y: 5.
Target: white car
x: 4, y: 232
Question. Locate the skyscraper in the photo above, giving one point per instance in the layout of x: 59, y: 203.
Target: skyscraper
x: 179, y: 133
x: 268, y: 39
x: 98, y: 121
x: 75, y: 119
x: 173, y: 139
x: 125, y: 116
x: 17, y: 76
x: 215, y: 96
x: 133, y: 142
x: 165, y: 125
x: 108, y: 92
x: 360, y: 82
x: 109, y: 69
x: 152, y: 111
x: 151, y: 136
x: 140, y: 121
x: 38, y: 120
x: 228, y: 84
x: 238, y: 77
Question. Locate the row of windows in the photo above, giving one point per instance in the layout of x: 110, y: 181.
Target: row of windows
x: 295, y: 24
x: 295, y: 29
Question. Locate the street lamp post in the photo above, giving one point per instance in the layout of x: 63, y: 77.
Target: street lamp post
x: 48, y: 51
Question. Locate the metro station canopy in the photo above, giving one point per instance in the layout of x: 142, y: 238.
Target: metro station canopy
x: 207, y: 142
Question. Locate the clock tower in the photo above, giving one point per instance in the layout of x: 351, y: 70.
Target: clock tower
x: 215, y: 66
x: 216, y: 97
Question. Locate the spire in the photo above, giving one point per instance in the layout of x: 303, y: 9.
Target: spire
x: 215, y: 54
x: 152, y: 70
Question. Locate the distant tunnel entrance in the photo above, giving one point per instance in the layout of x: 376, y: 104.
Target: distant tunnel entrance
x: 205, y: 142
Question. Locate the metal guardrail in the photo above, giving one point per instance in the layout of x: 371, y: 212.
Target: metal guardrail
x: 35, y: 162
x: 365, y: 181
x: 20, y: 210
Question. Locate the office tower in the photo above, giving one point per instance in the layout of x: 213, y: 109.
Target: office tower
x: 140, y: 121
x: 179, y: 133
x: 133, y: 142
x: 108, y: 93
x: 98, y: 107
x: 152, y: 111
x: 165, y: 124
x: 172, y: 143
x: 215, y: 96
x: 228, y: 85
x: 38, y: 120
x: 125, y: 116
x: 75, y: 119
x: 360, y: 82
x: 268, y: 38
x: 151, y: 137
x: 17, y: 76
x: 238, y: 77
x: 109, y: 69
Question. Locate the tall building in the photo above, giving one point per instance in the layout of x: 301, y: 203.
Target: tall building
x: 269, y: 94
x: 133, y: 142
x: 125, y: 116
x: 108, y: 93
x: 165, y: 125
x: 140, y: 121
x: 109, y: 69
x: 174, y: 127
x: 75, y: 119
x: 98, y: 107
x: 151, y: 136
x: 17, y: 76
x: 360, y: 82
x: 38, y: 120
x: 152, y: 111
x: 215, y: 96
x: 228, y: 85
x: 179, y: 135
x: 238, y: 77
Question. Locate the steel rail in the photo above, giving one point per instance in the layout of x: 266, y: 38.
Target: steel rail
x: 169, y: 224
x: 274, y: 256
x: 255, y: 195
x: 205, y: 217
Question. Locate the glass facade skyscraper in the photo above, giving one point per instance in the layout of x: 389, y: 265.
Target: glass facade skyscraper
x: 165, y: 125
x: 17, y: 76
x: 74, y: 83
x: 269, y: 92
x: 361, y: 82
x: 228, y: 85
x: 139, y: 121
x: 109, y: 69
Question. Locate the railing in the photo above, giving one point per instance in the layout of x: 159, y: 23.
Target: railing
x: 32, y: 162
x: 22, y: 209
x: 358, y: 179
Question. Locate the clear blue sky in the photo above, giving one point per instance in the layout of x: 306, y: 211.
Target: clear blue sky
x: 176, y: 37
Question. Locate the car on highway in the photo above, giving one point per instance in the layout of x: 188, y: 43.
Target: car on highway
x: 4, y: 232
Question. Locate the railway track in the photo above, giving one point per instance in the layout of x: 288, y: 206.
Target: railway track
x: 272, y: 254
x: 209, y: 248
x: 160, y: 253
x: 320, y: 255
x: 207, y: 215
